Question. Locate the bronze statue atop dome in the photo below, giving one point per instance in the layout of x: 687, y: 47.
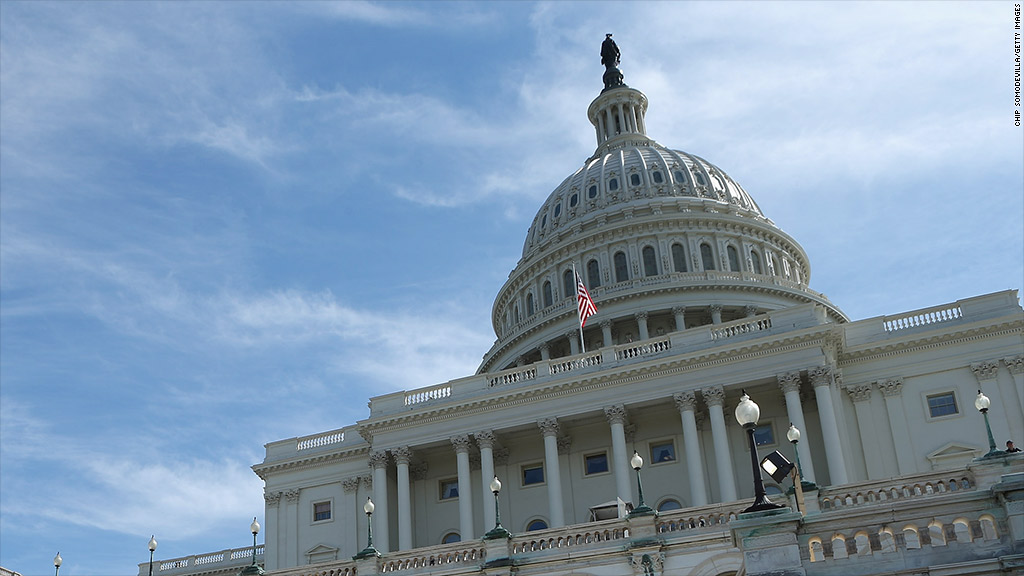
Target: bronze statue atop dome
x: 610, y: 59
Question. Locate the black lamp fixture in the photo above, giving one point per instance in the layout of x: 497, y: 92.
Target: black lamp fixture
x: 747, y: 413
x: 498, y: 531
x: 642, y: 509
x: 369, y: 551
x: 57, y: 561
x: 152, y: 549
x: 982, y: 403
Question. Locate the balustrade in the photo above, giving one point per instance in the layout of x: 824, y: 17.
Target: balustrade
x: 318, y: 440
x: 426, y: 394
x: 933, y: 315
x: 643, y: 349
x: 897, y: 489
x: 741, y: 327
x: 513, y: 376
x: 593, y: 359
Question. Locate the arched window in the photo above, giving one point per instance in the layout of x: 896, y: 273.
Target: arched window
x: 657, y: 177
x: 529, y: 305
x: 734, y: 258
x: 680, y: 178
x: 621, y: 268
x: 936, y: 533
x: 544, y: 221
x: 755, y: 262
x: 988, y: 527
x: 593, y: 274
x: 574, y: 200
x: 634, y: 179
x: 911, y: 537
x: 451, y: 537
x: 678, y: 257
x: 886, y: 540
x: 650, y: 261
x: 536, y: 525
x: 547, y: 294
x: 817, y: 554
x: 707, y: 259
x: 962, y: 530
x: 558, y: 210
x: 568, y: 284
x: 592, y: 191
x: 863, y: 543
x: 839, y: 547
x: 669, y: 504
x: 613, y: 184
x: 515, y: 314
x: 772, y: 268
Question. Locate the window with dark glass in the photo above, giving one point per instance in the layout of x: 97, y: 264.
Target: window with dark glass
x: 755, y: 262
x: 593, y: 274
x: 533, y: 474
x: 764, y: 435
x: 574, y: 200
x: 621, y: 267
x: 706, y: 258
x: 942, y: 404
x: 449, y: 489
x: 568, y: 284
x: 650, y: 261
x: 680, y: 179
x: 595, y: 463
x: 321, y: 511
x: 529, y: 304
x: 669, y: 504
x: 657, y: 177
x: 515, y: 313
x: 634, y: 179
x: 547, y: 294
x: 734, y: 258
x: 536, y: 525
x: 613, y: 184
x: 700, y: 179
x: 544, y: 221
x: 663, y: 452
x: 451, y: 537
x: 678, y: 258
x: 592, y: 191
x: 558, y: 209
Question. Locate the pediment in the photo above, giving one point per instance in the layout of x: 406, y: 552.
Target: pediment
x: 321, y: 553
x: 953, y: 454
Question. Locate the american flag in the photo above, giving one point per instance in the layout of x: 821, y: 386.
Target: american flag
x: 585, y: 302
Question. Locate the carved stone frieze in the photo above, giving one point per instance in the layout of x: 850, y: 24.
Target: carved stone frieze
x: 713, y: 395
x: 650, y: 564
x: 985, y: 370
x: 272, y: 498
x: 1015, y: 364
x: 891, y: 387
x: 292, y: 495
x: 367, y: 481
x: 685, y: 400
x: 500, y: 456
x: 859, y: 392
x: 350, y: 485
x: 564, y: 444
x: 629, y: 431
x: 789, y: 382
x: 418, y: 471
x: 461, y: 443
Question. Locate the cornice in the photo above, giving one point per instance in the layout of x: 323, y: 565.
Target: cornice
x: 314, y: 461
x: 934, y: 339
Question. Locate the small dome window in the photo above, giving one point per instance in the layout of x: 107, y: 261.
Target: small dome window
x: 592, y: 191
x: 529, y: 304
x: 594, y: 274
x: 650, y: 261
x: 634, y: 179
x: 544, y: 221
x: 558, y: 210
x: 568, y: 284
x: 734, y: 258
x: 657, y: 177
x: 547, y: 294
x: 621, y: 268
x: 536, y: 525
x: 755, y: 262
x: 451, y: 537
x: 678, y: 174
x: 678, y: 257
x: 574, y: 200
x: 700, y: 179
x: 705, y: 256
x: 613, y: 184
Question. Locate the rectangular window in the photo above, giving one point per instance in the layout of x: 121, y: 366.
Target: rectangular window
x: 449, y: 489
x: 764, y: 435
x: 663, y: 452
x: 321, y: 511
x: 942, y: 404
x: 533, y: 474
x: 595, y: 463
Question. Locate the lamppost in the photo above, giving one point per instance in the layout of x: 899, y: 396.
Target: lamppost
x: 982, y: 403
x: 642, y: 509
x: 57, y: 561
x: 747, y: 413
x: 793, y: 435
x: 253, y: 569
x: 369, y: 551
x: 498, y: 531
x: 152, y: 549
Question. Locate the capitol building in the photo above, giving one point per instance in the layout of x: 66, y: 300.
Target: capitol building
x: 701, y: 300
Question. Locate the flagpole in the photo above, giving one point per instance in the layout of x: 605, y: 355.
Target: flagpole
x: 575, y: 278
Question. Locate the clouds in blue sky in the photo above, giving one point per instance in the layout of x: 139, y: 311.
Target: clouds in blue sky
x: 222, y: 224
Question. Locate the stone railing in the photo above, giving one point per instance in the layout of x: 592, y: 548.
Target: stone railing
x: 646, y: 348
x: 739, y: 327
x: 903, y: 488
x: 513, y: 376
x: 933, y: 315
x: 591, y: 359
x: 425, y: 394
x: 716, y: 516
x: 436, y: 557
x: 557, y: 539
x: 332, y: 568
x: 226, y: 560
x: 318, y: 440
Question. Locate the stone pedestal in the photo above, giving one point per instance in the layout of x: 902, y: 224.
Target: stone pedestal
x: 497, y: 553
x: 769, y: 543
x: 367, y: 564
x: 643, y: 531
x: 1011, y: 493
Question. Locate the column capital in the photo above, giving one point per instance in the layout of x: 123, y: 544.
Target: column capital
x: 606, y: 324
x: 350, y: 484
x: 544, y: 346
x: 750, y: 310
x: 642, y: 315
x: 548, y: 426
x: 564, y: 444
x: 461, y: 443
x: 616, y: 414
x: 418, y: 471
x: 484, y: 438
x: 859, y: 392
x: 1015, y: 364
x: 402, y: 454
x: 500, y: 456
x: 272, y: 498
x: 379, y: 459
x: 985, y: 370
x: 715, y: 308
x: 891, y: 387
x: 367, y: 481
x: 820, y: 376
x: 713, y: 395
x: 789, y: 382
x: 679, y: 310
x: 571, y: 334
x: 292, y: 495
x: 685, y: 400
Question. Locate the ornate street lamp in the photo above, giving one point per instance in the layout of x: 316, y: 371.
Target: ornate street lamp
x: 498, y: 531
x: 369, y: 551
x: 793, y: 435
x: 747, y: 413
x: 642, y: 509
x: 253, y: 569
x: 57, y: 561
x: 152, y: 549
x: 982, y: 403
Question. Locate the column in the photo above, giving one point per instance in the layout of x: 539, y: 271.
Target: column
x: 714, y: 397
x: 545, y: 353
x: 552, y: 472
x: 821, y: 380
x: 381, y: 531
x: 750, y: 310
x: 680, y: 312
x: 461, y: 445
x: 291, y: 515
x: 790, y: 386
x: 606, y: 332
x: 892, y: 391
x: 485, y: 440
x: 716, y: 313
x: 349, y: 515
x: 609, y: 122
x: 574, y: 344
x: 402, y: 456
x: 1015, y: 364
x: 641, y: 322
x: 686, y: 402
x: 623, y: 128
x: 620, y: 458
x: 861, y: 395
x: 270, y: 531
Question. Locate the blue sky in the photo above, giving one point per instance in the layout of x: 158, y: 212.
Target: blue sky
x: 224, y: 224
